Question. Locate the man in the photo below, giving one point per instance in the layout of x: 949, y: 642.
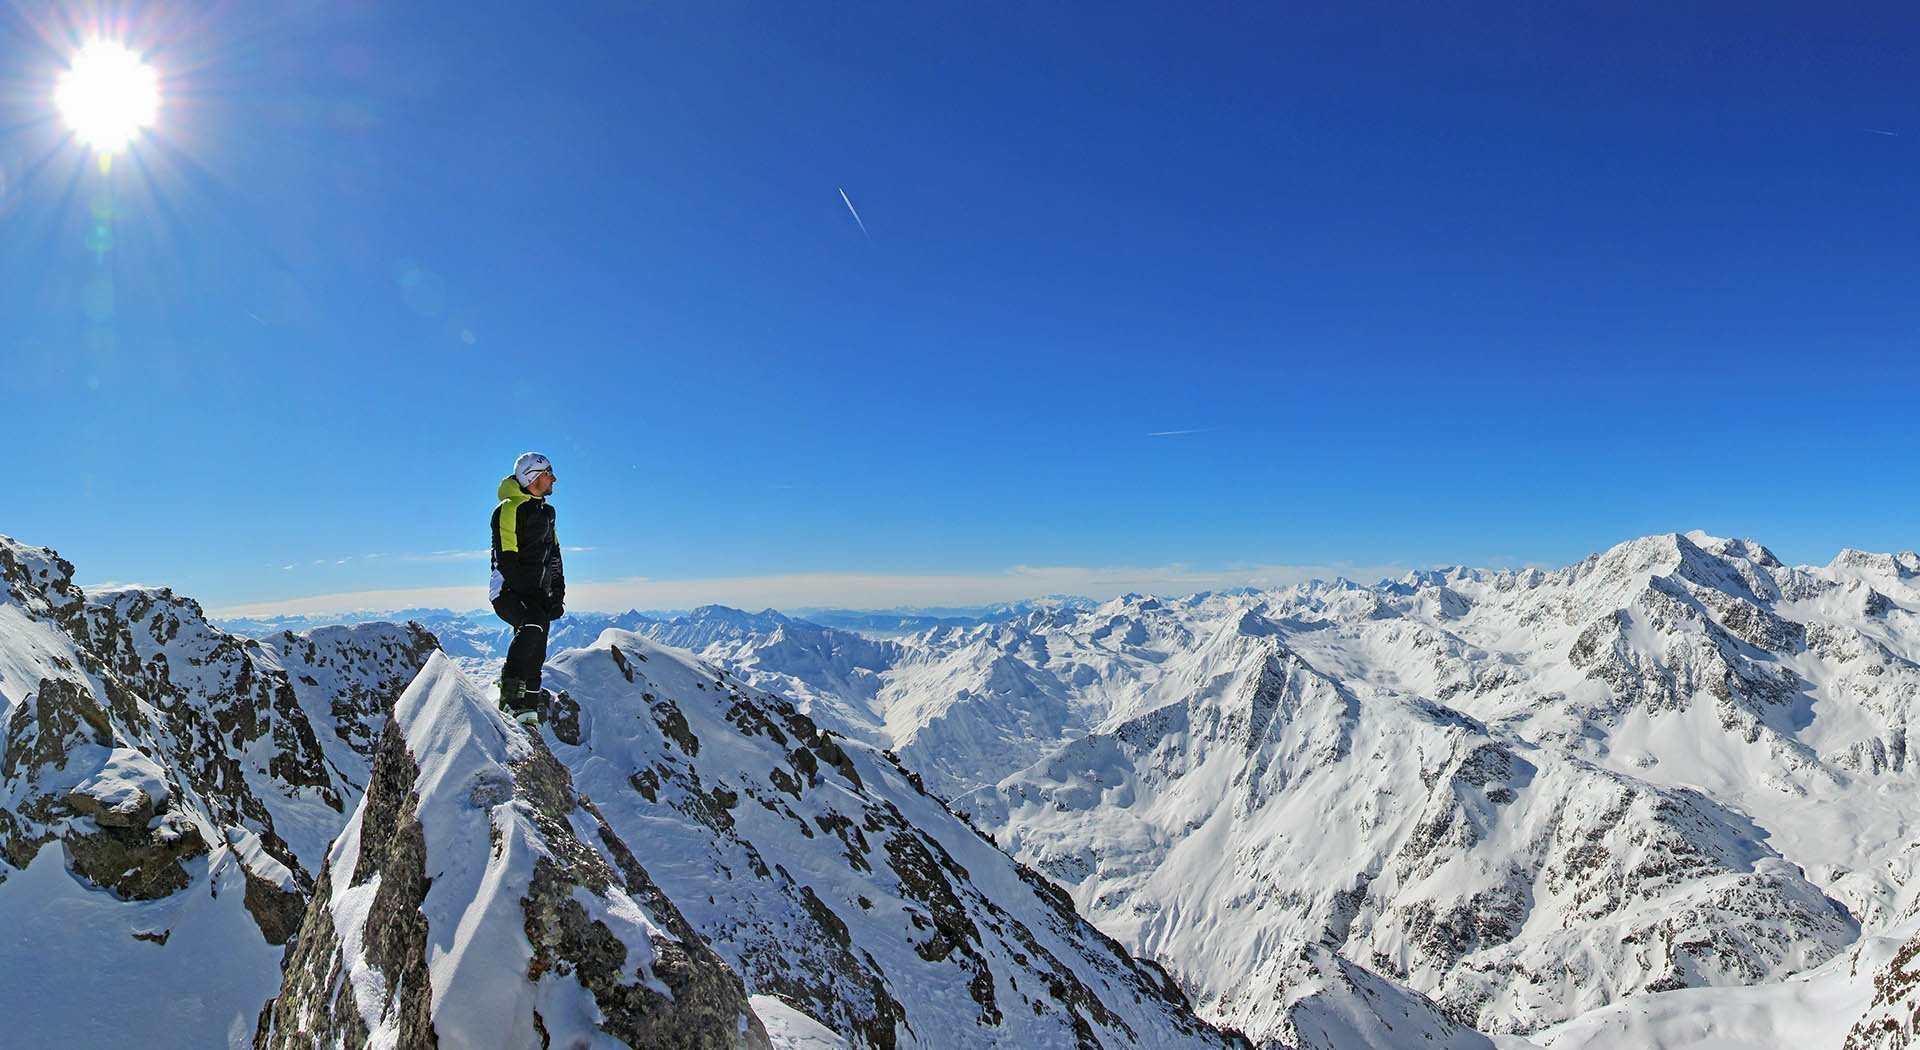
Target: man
x: 528, y: 589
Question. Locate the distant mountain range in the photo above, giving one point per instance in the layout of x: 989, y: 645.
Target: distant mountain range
x: 482, y: 624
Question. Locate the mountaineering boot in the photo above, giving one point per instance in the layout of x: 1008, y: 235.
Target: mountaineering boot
x: 530, y: 706
x: 513, y: 695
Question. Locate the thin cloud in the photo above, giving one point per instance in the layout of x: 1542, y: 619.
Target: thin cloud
x: 114, y: 585
x: 846, y: 590
x: 427, y: 556
x: 417, y: 556
x: 479, y: 555
x: 856, y: 215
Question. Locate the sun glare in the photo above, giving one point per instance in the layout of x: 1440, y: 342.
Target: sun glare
x: 108, y: 95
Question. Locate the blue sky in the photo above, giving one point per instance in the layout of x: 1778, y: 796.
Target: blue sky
x: 1149, y: 297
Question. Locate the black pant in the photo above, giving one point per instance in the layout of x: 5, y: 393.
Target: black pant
x: 529, y: 648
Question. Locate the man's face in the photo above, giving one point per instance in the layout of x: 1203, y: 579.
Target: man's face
x: 542, y: 483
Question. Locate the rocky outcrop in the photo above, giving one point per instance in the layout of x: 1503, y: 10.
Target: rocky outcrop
x: 476, y: 895
x: 1892, y: 1020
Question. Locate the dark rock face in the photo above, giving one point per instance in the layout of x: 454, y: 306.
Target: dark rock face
x: 563, y: 716
x: 706, y: 1000
x: 135, y: 863
x: 316, y: 1006
x: 276, y: 911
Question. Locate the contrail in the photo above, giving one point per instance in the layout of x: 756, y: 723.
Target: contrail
x: 1877, y: 131
x: 1177, y: 433
x: 856, y: 215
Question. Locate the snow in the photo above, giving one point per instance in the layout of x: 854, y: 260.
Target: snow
x: 247, y: 846
x: 84, y: 966
x: 349, y: 906
x: 1813, y: 1009
x: 32, y: 650
x: 482, y: 845
x: 473, y: 903
x: 125, y: 779
x: 791, y: 1029
x: 75, y: 975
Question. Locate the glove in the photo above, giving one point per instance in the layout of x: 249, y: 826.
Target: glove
x: 556, y: 608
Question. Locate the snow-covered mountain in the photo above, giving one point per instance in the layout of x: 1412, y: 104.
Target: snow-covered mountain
x: 169, y: 793
x: 477, y: 636
x: 1658, y: 798
x: 892, y: 623
x: 1676, y: 764
x: 676, y: 860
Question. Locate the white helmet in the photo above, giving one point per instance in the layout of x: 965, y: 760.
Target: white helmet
x: 530, y: 465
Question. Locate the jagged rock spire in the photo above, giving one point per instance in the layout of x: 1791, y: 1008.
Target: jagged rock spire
x: 476, y: 899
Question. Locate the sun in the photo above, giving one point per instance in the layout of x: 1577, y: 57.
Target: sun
x: 108, y: 95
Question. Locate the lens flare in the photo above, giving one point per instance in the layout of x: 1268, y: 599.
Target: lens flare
x: 107, y: 96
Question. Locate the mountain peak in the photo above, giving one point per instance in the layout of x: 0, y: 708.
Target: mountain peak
x: 1902, y: 565
x: 27, y: 571
x: 465, y: 905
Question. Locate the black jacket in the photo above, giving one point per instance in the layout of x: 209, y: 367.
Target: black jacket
x: 526, y: 553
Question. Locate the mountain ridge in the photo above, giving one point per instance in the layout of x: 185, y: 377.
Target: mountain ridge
x: 1514, y: 800
x: 251, y: 790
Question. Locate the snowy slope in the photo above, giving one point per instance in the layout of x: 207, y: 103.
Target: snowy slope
x: 823, y: 874
x: 1826, y: 1007
x: 814, y: 866
x: 1504, y: 881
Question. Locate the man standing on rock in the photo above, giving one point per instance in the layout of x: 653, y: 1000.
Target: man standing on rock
x: 528, y: 589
